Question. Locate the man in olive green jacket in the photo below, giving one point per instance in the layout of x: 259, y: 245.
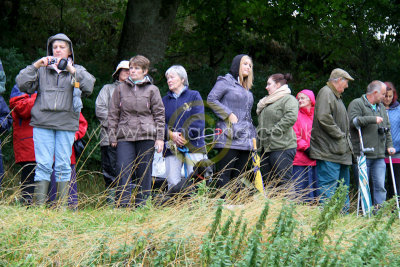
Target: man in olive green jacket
x: 368, y: 113
x: 330, y: 136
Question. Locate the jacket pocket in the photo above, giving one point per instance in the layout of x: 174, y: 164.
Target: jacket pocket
x: 149, y: 129
x: 339, y: 147
x: 278, y: 115
x: 124, y: 132
x: 143, y: 105
x: 56, y: 99
x: 241, y: 130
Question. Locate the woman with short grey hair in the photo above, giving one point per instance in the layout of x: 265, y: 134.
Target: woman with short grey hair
x: 184, y: 126
x: 180, y: 71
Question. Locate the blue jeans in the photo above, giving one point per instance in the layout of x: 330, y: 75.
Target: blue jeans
x: 328, y: 175
x: 53, y: 146
x: 376, y: 169
x: 305, y: 179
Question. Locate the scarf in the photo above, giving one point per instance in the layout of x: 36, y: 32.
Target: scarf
x: 278, y: 94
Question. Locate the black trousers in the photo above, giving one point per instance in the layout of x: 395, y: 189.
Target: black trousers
x: 389, y: 181
x: 134, y: 161
x: 277, y: 166
x: 27, y: 181
x: 109, y: 165
x: 232, y: 164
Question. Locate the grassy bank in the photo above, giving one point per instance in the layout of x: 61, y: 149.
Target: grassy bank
x: 247, y: 231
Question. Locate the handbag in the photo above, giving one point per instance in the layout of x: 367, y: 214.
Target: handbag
x: 79, y: 146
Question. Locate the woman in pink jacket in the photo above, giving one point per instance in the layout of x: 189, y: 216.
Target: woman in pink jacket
x: 304, y: 172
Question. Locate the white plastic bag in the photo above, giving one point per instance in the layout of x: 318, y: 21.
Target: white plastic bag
x: 159, y: 169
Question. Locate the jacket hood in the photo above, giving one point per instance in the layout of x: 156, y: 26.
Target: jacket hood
x: 62, y: 37
x: 146, y: 80
x: 308, y: 93
x: 395, y: 104
x: 235, y: 66
x: 15, y: 92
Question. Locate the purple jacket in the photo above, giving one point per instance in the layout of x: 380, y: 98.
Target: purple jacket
x: 226, y: 97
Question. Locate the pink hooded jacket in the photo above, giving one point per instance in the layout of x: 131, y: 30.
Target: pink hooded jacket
x: 302, y: 128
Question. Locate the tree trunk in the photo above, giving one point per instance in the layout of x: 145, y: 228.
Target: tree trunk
x: 146, y: 29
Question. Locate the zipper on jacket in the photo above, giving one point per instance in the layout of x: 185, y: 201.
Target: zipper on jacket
x: 55, y: 104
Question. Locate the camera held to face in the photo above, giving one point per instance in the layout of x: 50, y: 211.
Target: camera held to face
x: 383, y: 130
x: 52, y: 61
x: 62, y: 65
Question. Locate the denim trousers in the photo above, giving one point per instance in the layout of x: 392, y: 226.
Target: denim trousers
x: 328, y: 176
x: 305, y: 180
x: 173, y: 166
x: 53, y: 146
x: 376, y: 169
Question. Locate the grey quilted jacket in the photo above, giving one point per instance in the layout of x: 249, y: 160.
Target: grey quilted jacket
x: 226, y: 97
x: 102, y: 104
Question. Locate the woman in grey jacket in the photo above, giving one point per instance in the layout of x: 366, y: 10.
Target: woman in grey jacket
x: 109, y: 153
x: 231, y: 100
x: 54, y: 118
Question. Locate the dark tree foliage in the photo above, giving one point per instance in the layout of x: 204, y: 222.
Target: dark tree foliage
x: 307, y: 38
x: 146, y: 28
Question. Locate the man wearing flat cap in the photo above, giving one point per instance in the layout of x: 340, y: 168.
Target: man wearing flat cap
x: 330, y: 136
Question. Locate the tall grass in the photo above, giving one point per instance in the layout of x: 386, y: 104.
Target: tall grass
x: 201, y: 231
x: 243, y: 229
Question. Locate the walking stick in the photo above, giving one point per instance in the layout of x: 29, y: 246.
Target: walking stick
x: 394, y: 184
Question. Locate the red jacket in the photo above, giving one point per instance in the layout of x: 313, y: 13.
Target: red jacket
x: 21, y: 105
x: 83, y: 125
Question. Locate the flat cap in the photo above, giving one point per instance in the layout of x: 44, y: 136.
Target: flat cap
x: 339, y: 73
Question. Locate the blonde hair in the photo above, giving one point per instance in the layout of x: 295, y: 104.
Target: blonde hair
x: 246, y: 82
